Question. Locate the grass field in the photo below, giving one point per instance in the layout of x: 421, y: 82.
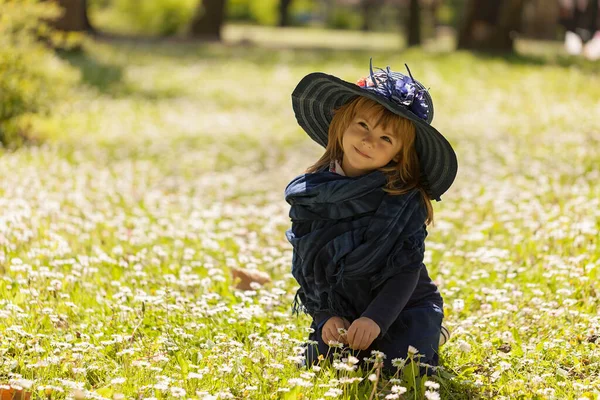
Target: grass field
x: 167, y: 167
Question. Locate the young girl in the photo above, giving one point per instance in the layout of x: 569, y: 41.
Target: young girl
x: 359, y: 216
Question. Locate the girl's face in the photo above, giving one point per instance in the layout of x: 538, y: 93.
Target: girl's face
x: 378, y: 146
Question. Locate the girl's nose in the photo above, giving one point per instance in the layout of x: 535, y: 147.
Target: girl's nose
x: 367, y: 141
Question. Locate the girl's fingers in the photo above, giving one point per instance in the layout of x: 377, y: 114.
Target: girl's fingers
x: 325, y: 336
x: 343, y: 339
x: 339, y: 337
x: 331, y: 335
x: 363, y: 341
x: 336, y: 335
x: 358, y: 339
x: 367, y: 340
x: 350, y: 335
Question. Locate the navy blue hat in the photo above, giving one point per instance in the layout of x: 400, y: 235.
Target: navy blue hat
x: 317, y: 96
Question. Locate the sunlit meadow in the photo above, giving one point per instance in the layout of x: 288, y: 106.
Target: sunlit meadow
x: 167, y: 168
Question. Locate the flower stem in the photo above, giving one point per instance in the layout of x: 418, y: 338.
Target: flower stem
x: 377, y: 372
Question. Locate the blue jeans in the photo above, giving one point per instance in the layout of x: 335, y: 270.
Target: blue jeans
x: 418, y: 327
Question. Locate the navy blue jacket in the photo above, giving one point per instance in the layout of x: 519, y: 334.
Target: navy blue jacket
x: 358, y: 251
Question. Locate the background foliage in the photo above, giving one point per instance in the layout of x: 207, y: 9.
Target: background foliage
x: 157, y: 17
x: 31, y: 75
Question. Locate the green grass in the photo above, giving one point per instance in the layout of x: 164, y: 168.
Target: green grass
x: 168, y: 167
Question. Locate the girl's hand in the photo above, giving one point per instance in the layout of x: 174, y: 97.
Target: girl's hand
x: 362, y: 332
x: 330, y: 330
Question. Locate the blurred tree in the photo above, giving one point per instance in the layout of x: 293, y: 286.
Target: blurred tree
x: 489, y: 25
x: 32, y: 76
x: 368, y: 8
x: 413, y: 25
x: 284, y: 12
x: 208, y: 20
x: 540, y: 19
x: 327, y: 7
x: 161, y: 18
x: 74, y: 17
x: 450, y: 12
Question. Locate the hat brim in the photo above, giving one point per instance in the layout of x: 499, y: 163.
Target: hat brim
x: 316, y: 97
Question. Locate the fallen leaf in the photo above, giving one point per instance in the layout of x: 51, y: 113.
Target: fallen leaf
x: 505, y: 348
x: 14, y: 394
x: 245, y: 276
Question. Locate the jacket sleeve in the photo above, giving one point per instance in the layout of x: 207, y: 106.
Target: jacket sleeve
x: 398, y: 287
x: 321, y: 318
x: 391, y: 299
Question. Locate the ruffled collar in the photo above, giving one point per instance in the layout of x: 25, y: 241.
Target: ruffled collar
x: 335, y: 166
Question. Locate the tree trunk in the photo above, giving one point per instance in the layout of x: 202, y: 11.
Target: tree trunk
x: 489, y: 25
x: 327, y: 10
x: 413, y: 24
x: 284, y: 12
x: 208, y: 20
x: 365, y: 9
x: 74, y: 17
x: 540, y: 19
x: 86, y: 22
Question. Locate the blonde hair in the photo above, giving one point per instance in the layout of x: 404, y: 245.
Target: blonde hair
x: 403, y: 176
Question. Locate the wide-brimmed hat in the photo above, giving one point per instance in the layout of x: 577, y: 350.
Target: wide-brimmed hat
x: 318, y: 94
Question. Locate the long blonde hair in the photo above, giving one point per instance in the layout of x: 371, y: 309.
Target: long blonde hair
x: 403, y: 176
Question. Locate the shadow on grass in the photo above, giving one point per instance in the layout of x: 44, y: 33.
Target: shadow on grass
x: 101, y: 76
x: 266, y: 54
x: 189, y: 50
x: 450, y: 388
x: 558, y: 60
x: 454, y: 389
x: 108, y: 79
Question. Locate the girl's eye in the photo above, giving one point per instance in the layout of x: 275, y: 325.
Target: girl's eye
x: 364, y: 125
x: 388, y: 139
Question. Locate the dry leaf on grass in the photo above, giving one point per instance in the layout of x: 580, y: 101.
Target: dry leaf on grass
x: 243, y: 277
x: 14, y: 394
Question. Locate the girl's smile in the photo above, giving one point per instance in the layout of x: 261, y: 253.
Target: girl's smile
x: 367, y: 146
x: 361, y: 153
